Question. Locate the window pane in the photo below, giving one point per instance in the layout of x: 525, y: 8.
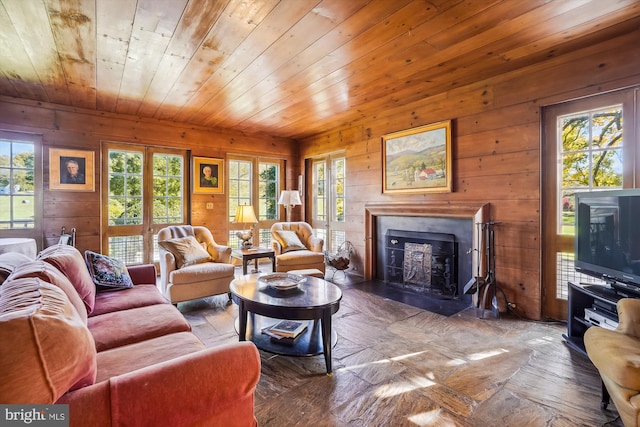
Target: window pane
x: 239, y: 185
x: 167, y: 189
x: 125, y: 188
x: 17, y: 184
x: 591, y: 157
x: 320, y: 211
x: 268, y: 185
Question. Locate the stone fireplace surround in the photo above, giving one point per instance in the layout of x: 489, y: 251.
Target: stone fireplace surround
x: 380, y: 216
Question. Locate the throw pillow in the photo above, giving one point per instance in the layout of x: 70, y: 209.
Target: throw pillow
x: 289, y: 241
x: 71, y: 263
x: 186, y: 250
x: 47, y: 349
x: 107, y: 272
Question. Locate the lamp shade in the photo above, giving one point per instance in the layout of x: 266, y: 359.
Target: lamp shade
x: 245, y: 215
x: 289, y: 198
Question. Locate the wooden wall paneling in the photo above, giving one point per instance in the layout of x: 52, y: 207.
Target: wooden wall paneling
x: 499, y: 164
x: 82, y: 129
x: 504, y: 140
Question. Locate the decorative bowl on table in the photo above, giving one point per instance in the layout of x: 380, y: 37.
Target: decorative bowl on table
x: 282, y: 281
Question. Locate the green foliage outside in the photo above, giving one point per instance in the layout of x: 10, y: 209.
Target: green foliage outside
x: 126, y: 188
x: 17, y: 185
x: 592, y: 157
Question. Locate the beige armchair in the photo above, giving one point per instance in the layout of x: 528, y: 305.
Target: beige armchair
x: 296, y: 247
x: 615, y: 353
x: 192, y: 264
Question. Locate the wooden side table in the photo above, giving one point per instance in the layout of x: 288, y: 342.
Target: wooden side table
x: 247, y: 255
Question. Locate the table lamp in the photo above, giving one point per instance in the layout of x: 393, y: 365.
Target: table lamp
x: 245, y: 216
x: 289, y: 198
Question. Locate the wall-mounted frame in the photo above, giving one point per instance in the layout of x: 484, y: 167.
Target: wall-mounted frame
x: 71, y: 170
x: 208, y: 175
x: 417, y: 160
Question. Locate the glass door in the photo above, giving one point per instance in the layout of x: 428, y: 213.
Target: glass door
x: 143, y: 191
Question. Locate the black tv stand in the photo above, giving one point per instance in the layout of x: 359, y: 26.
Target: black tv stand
x: 599, y: 298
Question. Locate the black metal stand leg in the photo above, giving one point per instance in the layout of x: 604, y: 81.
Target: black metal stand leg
x: 605, y: 397
x: 326, y: 340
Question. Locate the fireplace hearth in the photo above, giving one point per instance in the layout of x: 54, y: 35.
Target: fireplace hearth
x: 421, y: 262
x: 439, y: 294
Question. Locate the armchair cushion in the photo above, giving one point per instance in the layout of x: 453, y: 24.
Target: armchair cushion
x: 289, y: 240
x: 186, y: 250
x: 107, y: 272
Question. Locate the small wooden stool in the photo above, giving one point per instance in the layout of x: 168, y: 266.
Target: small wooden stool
x: 308, y: 272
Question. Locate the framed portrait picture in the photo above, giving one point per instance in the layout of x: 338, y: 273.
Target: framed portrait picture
x: 417, y: 160
x: 71, y: 170
x: 208, y: 175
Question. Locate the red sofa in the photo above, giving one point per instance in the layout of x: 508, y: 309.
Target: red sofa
x: 116, y: 357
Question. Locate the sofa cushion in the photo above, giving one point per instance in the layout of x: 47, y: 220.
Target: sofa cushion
x: 201, y: 272
x: 124, y: 327
x: 300, y: 258
x: 107, y: 272
x: 289, y: 240
x: 48, y: 273
x: 108, y: 301
x: 186, y: 251
x: 71, y: 263
x: 128, y: 358
x: 51, y: 350
x: 9, y: 261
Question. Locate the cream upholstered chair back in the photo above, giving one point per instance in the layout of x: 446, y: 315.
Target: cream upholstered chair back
x: 195, y: 280
x: 303, y: 254
x: 304, y: 232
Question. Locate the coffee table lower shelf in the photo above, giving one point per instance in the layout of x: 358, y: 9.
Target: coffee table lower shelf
x: 309, y: 343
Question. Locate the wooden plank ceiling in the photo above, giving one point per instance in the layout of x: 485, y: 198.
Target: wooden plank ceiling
x: 289, y: 68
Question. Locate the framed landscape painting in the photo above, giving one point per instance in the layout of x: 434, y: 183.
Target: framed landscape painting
x: 208, y: 175
x: 417, y: 160
x: 71, y: 170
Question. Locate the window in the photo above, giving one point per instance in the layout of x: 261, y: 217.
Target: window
x: 17, y: 184
x: 591, y: 157
x: 329, y: 201
x: 255, y: 182
x: 583, y: 150
x: 144, y: 191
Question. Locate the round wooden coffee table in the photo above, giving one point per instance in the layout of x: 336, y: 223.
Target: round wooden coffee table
x: 315, y: 299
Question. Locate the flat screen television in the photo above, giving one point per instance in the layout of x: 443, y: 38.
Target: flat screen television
x: 607, y: 243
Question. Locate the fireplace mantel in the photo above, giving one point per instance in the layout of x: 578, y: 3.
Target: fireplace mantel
x: 478, y: 212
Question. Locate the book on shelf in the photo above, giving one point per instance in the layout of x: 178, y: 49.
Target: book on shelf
x: 285, y: 329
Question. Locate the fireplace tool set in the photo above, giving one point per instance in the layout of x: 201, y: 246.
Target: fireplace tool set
x: 487, y: 231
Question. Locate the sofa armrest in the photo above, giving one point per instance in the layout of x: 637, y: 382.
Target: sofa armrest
x: 277, y: 247
x: 629, y: 316
x: 212, y: 387
x: 222, y: 253
x: 315, y: 243
x: 144, y: 274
